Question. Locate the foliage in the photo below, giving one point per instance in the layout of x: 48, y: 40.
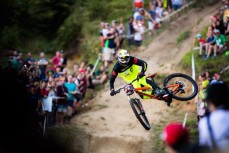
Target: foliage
x: 31, y: 19
x: 182, y: 36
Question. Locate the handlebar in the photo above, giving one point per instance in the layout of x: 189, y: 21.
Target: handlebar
x: 119, y: 90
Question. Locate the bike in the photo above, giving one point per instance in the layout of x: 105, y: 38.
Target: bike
x: 176, y: 86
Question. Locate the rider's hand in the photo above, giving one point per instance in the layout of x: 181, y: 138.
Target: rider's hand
x: 140, y: 75
x: 112, y: 93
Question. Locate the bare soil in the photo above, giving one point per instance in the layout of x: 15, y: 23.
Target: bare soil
x: 110, y: 123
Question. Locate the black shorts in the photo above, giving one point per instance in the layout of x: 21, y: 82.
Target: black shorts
x: 70, y: 103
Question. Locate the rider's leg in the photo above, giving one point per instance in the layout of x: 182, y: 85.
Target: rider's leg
x: 156, y: 89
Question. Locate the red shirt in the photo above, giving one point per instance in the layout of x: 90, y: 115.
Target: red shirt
x: 138, y: 3
x: 202, y: 40
x: 56, y: 61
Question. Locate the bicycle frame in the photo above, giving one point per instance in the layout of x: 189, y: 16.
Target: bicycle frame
x: 174, y: 88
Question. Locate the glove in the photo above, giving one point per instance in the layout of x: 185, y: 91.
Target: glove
x: 140, y: 75
x: 112, y: 93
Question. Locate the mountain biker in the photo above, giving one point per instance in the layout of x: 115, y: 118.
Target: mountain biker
x: 129, y: 68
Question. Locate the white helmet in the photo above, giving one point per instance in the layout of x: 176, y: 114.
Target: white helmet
x: 123, y: 57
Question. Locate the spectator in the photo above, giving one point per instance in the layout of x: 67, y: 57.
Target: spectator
x: 218, y: 23
x: 56, y: 59
x: 83, y: 83
x: 216, y: 79
x: 141, y: 16
x: 101, y: 76
x: 208, y: 76
x: 130, y: 31
x: 201, y: 44
x: 30, y: 60
x: 209, y: 45
x: 72, y: 90
x: 57, y: 72
x: 121, y: 30
x: 42, y: 62
x: 204, y: 84
x: 157, y: 22
x: 48, y: 101
x: 213, y: 129
x: 137, y: 13
x: 62, y: 94
x: 176, y: 4
x: 103, y: 32
x: 159, y: 9
x: 151, y: 21
x: 154, y: 3
x: 201, y: 105
x: 109, y: 48
x: 139, y: 31
x: 227, y: 26
x: 177, y: 140
x: 221, y: 43
x: 63, y: 60
x: 137, y: 4
x: 20, y: 61
x: 90, y: 84
x: 167, y: 5
x: 117, y: 39
x: 82, y: 66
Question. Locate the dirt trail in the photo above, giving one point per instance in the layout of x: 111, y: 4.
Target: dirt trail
x: 111, y: 123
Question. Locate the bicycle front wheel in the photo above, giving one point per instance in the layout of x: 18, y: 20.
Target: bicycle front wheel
x: 139, y: 112
x: 187, y: 89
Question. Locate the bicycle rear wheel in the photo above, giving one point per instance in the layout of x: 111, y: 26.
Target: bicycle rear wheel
x: 187, y: 90
x: 139, y: 112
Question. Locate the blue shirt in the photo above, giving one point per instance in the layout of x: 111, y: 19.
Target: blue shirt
x: 71, y: 87
x: 152, y: 14
x: 212, y: 39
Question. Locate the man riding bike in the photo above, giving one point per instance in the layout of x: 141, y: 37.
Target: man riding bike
x: 130, y: 68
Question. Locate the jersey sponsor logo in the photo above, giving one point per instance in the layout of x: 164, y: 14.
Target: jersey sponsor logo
x: 135, y: 60
x: 114, y: 73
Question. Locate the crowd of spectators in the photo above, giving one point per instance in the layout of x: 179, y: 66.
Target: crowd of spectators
x: 212, y: 104
x: 52, y: 88
x: 141, y: 20
x: 215, y: 42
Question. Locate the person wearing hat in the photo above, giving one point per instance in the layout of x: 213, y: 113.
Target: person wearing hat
x: 137, y: 4
x: 216, y: 79
x: 221, y: 43
x: 202, y: 43
x: 176, y: 139
x: 214, y: 128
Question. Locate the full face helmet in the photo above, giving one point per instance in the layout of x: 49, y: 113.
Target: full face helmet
x: 123, y: 57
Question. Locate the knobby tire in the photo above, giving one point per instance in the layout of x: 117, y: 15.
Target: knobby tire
x: 137, y: 109
x: 186, y: 78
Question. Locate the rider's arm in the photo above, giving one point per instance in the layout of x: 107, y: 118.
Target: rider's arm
x: 112, y: 79
x: 141, y: 63
x: 113, y: 76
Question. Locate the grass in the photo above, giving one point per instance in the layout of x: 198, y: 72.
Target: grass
x: 175, y: 116
x: 183, y: 36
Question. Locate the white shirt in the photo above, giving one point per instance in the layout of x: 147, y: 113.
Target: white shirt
x: 135, y: 15
x: 159, y: 11
x: 105, y: 31
x: 139, y: 32
x: 219, y: 121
